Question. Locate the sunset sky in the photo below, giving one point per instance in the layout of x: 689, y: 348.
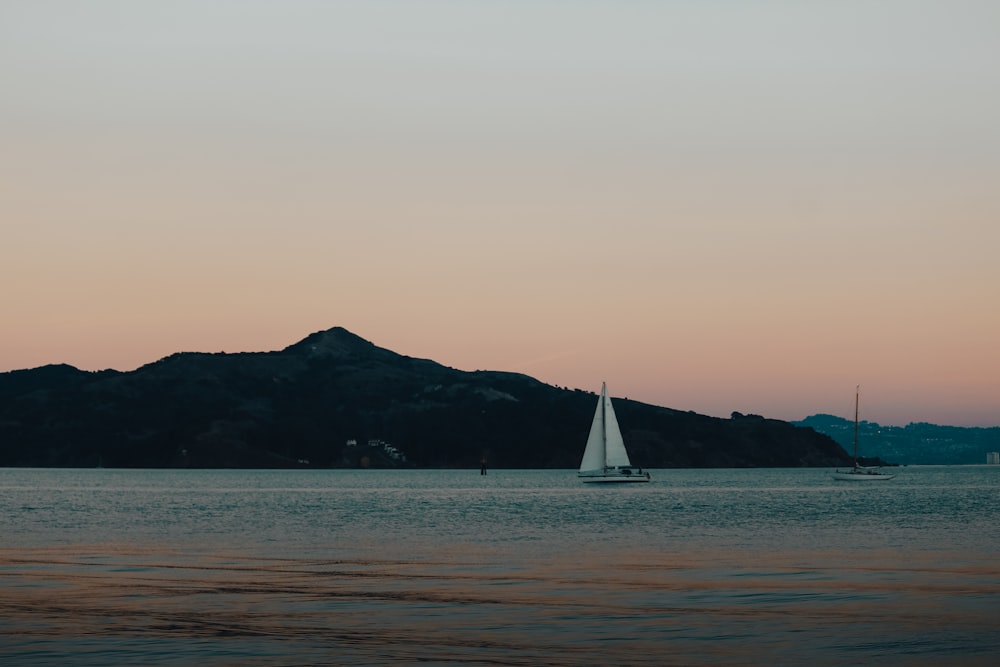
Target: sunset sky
x: 712, y: 206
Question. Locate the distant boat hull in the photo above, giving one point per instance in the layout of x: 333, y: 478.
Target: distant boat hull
x: 614, y: 476
x: 862, y: 475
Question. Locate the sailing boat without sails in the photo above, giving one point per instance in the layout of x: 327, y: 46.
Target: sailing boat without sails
x: 860, y: 473
x: 605, y: 459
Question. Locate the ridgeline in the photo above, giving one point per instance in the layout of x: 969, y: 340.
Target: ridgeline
x: 335, y: 400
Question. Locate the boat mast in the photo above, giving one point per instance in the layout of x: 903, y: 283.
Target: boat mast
x: 857, y: 391
x: 604, y: 422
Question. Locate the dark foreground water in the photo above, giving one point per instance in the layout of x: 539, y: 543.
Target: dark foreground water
x: 156, y: 567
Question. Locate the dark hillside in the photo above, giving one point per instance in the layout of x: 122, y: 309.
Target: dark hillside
x: 337, y: 400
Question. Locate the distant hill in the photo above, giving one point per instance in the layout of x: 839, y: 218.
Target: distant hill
x: 916, y: 444
x: 336, y: 400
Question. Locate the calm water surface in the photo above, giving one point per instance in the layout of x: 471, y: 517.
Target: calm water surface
x: 165, y: 567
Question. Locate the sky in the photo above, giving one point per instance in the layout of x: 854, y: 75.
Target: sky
x: 712, y: 206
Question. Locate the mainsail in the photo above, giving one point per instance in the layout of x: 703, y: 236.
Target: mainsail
x: 605, y: 445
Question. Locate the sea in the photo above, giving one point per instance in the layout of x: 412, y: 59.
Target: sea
x: 515, y: 567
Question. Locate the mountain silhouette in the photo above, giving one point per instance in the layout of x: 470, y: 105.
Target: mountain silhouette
x: 336, y: 400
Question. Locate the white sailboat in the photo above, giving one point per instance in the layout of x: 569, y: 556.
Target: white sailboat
x: 860, y: 473
x: 605, y: 459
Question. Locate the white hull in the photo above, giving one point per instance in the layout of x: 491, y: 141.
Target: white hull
x: 862, y: 475
x: 614, y: 476
x: 614, y: 479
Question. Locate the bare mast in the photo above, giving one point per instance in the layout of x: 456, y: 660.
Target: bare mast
x: 857, y: 392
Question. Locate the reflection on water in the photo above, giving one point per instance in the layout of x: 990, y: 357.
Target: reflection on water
x: 526, y: 568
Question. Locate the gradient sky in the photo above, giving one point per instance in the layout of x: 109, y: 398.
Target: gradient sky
x: 712, y: 206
